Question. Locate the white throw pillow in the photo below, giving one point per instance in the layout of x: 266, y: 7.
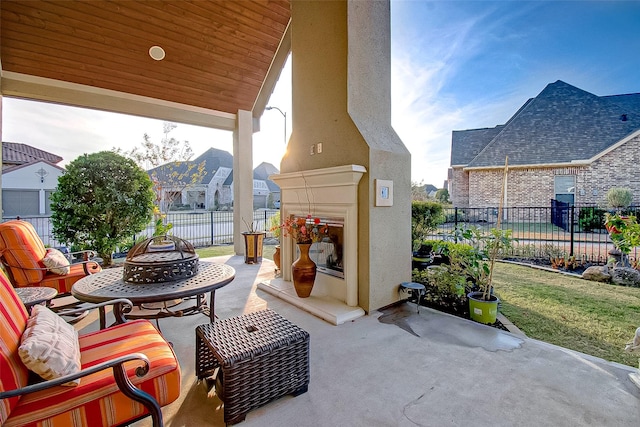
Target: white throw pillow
x: 55, y: 261
x: 49, y: 346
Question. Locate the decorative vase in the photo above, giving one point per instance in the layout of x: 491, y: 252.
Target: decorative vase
x: 276, y: 257
x: 304, y: 272
x: 253, y: 247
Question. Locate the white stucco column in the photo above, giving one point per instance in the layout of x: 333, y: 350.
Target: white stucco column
x: 242, y: 178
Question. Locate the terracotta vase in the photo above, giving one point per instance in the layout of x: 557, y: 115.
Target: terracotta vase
x: 304, y: 272
x: 276, y: 257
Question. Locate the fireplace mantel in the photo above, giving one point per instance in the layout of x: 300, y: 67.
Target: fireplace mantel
x: 329, y: 192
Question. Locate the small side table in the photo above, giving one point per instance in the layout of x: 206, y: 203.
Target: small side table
x: 260, y: 357
x: 416, y: 290
x: 33, y: 295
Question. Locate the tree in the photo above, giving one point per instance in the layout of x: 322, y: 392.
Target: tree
x: 102, y: 199
x: 417, y: 191
x: 168, y: 165
x: 442, y: 195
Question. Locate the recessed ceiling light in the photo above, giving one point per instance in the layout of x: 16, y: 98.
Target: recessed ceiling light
x: 157, y: 53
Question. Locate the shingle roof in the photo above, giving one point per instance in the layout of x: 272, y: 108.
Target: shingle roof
x: 14, y: 153
x: 467, y: 144
x: 213, y: 159
x: 630, y: 101
x: 262, y: 172
x: 563, y: 123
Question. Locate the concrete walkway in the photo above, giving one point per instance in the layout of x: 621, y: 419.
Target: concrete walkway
x: 400, y: 368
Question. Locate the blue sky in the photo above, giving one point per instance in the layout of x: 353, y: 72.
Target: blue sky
x: 464, y: 65
x: 455, y: 65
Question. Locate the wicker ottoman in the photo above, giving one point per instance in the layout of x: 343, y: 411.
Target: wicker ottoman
x: 262, y: 356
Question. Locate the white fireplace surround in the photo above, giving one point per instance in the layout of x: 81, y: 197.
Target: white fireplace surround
x: 325, y: 193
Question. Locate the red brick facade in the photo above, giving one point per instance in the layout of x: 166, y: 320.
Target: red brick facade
x: 534, y: 187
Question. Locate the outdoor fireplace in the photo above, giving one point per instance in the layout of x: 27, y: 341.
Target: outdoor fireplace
x: 328, y: 252
x: 330, y: 194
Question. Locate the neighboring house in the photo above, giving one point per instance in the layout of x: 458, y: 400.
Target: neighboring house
x: 214, y: 191
x: 29, y: 176
x: 261, y: 180
x: 430, y: 190
x: 565, y: 144
x: 203, y: 193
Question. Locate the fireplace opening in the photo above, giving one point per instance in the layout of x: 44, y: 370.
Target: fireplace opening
x: 328, y: 253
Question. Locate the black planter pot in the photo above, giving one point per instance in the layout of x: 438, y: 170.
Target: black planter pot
x: 422, y: 258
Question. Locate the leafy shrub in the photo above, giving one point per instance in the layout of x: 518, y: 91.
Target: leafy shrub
x: 101, y: 199
x: 456, y: 216
x: 275, y: 224
x: 446, y: 288
x: 591, y: 218
x: 551, y: 251
x: 447, y: 285
x: 425, y: 218
x: 619, y: 198
x: 525, y: 251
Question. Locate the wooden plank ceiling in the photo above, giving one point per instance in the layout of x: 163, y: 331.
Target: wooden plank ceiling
x: 218, y: 52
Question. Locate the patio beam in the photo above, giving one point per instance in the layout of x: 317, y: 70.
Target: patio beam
x: 57, y: 91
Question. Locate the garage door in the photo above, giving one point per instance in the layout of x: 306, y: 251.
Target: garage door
x: 20, y: 203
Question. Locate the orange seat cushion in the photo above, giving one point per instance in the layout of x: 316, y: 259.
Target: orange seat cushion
x: 13, y: 321
x: 97, y: 399
x: 64, y: 283
x: 21, y: 246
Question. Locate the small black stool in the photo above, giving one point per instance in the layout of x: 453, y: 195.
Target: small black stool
x: 416, y: 290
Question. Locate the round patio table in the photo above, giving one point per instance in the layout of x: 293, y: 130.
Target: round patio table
x: 108, y: 284
x: 33, y: 295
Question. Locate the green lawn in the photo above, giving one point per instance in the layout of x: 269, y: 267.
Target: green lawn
x: 590, y: 317
x: 211, y: 251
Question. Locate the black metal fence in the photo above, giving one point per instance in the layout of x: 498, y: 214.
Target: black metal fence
x: 200, y: 228
x: 540, y: 232
x: 560, y: 230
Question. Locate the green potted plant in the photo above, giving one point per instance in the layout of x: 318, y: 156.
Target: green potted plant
x: 624, y: 232
x: 277, y: 231
x: 483, y: 304
x: 253, y: 241
x: 161, y: 229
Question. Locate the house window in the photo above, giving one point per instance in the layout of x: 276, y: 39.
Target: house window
x: 565, y: 188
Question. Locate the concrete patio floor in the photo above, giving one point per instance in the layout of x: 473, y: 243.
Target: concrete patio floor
x: 401, y: 368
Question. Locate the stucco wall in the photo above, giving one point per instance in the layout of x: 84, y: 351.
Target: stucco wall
x: 341, y: 98
x: 27, y: 177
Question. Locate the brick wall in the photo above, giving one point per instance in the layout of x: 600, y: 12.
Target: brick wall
x: 618, y: 168
x: 459, y: 187
x: 534, y: 187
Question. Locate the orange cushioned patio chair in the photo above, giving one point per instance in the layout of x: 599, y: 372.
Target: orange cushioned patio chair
x: 22, y: 253
x: 127, y: 371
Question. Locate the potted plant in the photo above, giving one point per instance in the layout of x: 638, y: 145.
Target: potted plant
x: 483, y: 304
x: 624, y: 232
x: 161, y: 229
x: 253, y: 240
x: 275, y: 229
